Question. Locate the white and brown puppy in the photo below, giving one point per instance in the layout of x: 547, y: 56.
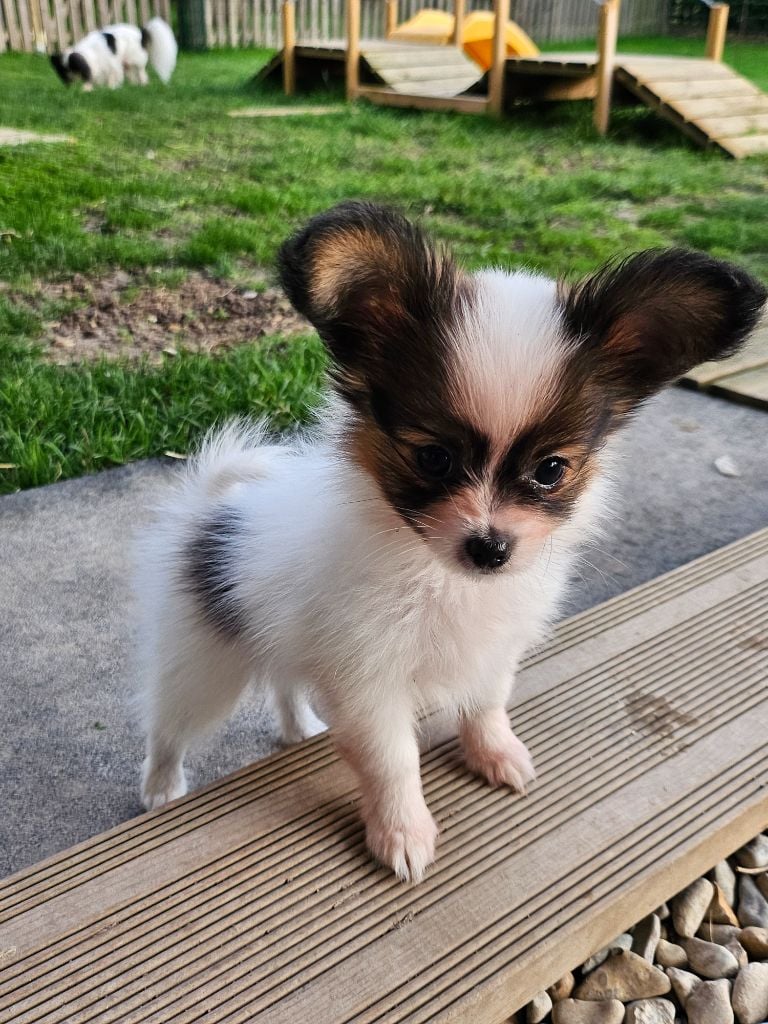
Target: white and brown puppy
x: 410, y: 551
x: 108, y: 56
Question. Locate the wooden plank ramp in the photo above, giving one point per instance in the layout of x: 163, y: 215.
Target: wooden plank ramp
x: 254, y: 899
x: 707, y: 100
x: 743, y: 377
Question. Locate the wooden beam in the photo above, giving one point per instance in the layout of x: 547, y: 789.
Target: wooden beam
x: 606, y: 54
x: 386, y: 97
x: 391, y: 22
x: 353, y: 49
x: 716, y: 29
x: 498, y: 66
x: 459, y: 10
x: 289, y: 47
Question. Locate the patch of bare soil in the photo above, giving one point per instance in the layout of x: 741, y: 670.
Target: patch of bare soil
x: 122, y: 316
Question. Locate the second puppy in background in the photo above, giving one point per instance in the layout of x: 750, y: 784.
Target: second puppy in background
x: 411, y: 551
x: 109, y: 56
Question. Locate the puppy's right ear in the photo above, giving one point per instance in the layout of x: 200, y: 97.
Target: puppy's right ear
x: 60, y: 67
x: 371, y: 283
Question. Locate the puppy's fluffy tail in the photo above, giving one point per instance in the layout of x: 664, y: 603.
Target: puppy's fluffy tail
x: 229, y: 455
x: 162, y: 48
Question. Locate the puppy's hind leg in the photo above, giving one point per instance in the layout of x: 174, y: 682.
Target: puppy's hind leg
x: 189, y: 692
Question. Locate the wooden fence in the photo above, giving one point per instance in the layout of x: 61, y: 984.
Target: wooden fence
x: 49, y: 25
x: 53, y: 24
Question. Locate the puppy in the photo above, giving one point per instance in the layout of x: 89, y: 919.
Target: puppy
x: 409, y: 552
x: 108, y: 56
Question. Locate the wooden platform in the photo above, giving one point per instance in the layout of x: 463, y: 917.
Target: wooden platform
x: 254, y: 900
x: 743, y: 377
x: 705, y: 99
x: 392, y: 72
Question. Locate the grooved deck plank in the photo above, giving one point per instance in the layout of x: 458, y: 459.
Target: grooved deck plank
x: 742, y: 376
x: 422, y: 101
x: 254, y: 898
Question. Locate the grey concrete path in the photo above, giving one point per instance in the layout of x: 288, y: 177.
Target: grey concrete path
x: 69, y: 746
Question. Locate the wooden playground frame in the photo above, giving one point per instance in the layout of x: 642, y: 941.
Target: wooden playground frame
x: 597, y: 84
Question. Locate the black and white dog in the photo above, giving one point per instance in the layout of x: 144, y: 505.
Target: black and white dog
x: 108, y: 56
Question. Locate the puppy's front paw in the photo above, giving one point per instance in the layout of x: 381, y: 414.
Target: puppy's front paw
x: 161, y: 784
x: 408, y: 847
x: 500, y: 757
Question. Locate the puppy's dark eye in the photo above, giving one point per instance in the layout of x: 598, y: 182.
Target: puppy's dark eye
x: 549, y: 471
x: 434, y: 461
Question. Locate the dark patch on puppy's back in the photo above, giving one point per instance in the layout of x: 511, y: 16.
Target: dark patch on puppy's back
x: 78, y: 65
x: 208, y: 570
x: 111, y: 41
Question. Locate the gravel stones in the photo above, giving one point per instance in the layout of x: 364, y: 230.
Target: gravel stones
x: 669, y: 954
x: 562, y: 988
x: 754, y: 854
x: 683, y: 983
x: 538, y: 1008
x: 750, y: 994
x: 755, y: 941
x: 710, y: 1003
x: 650, y: 1011
x: 753, y: 906
x: 623, y: 941
x: 724, y: 876
x: 709, y: 960
x: 646, y: 937
x: 579, y: 1011
x: 625, y: 976
x: 720, y: 911
x: 689, y: 908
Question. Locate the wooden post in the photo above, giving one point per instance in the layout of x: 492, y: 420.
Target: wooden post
x: 498, y: 67
x: 716, y: 28
x: 606, y: 55
x: 353, y: 49
x: 459, y: 9
x: 391, y: 24
x: 289, y: 47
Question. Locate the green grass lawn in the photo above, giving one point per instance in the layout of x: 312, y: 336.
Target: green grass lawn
x: 161, y: 180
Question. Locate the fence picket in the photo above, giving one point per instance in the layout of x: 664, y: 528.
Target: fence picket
x: 12, y: 26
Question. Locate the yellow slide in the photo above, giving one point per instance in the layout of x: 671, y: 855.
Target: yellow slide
x: 431, y: 26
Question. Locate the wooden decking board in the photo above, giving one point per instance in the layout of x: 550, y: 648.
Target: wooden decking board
x: 745, y: 145
x: 278, y: 914
x: 742, y: 376
x: 421, y: 100
x: 694, y: 89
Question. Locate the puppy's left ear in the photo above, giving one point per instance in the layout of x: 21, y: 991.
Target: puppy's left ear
x: 651, y: 318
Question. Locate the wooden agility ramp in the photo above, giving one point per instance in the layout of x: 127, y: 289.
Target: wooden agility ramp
x: 705, y: 99
x: 254, y: 899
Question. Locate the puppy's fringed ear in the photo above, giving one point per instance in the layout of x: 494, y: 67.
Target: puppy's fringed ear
x: 650, y: 318
x: 369, y: 281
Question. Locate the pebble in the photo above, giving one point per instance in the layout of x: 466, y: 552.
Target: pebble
x: 577, y: 1011
x: 754, y: 854
x: 626, y: 976
x: 538, y: 1008
x: 683, y: 983
x: 725, y: 466
x: 720, y: 911
x: 724, y: 876
x: 562, y: 988
x: 762, y: 884
x: 709, y: 960
x: 753, y: 906
x: 710, y: 1003
x: 669, y: 954
x: 750, y: 994
x: 650, y: 1011
x: 689, y: 908
x: 722, y: 934
x: 623, y: 941
x: 755, y: 941
x: 739, y: 952
x: 646, y: 937
x: 662, y: 912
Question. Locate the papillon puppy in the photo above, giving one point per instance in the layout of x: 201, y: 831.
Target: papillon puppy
x: 408, y: 553
x: 106, y: 57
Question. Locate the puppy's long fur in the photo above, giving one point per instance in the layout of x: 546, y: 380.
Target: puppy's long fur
x: 106, y: 57
x: 410, y: 552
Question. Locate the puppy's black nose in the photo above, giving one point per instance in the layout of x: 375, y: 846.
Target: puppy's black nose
x: 488, y: 552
